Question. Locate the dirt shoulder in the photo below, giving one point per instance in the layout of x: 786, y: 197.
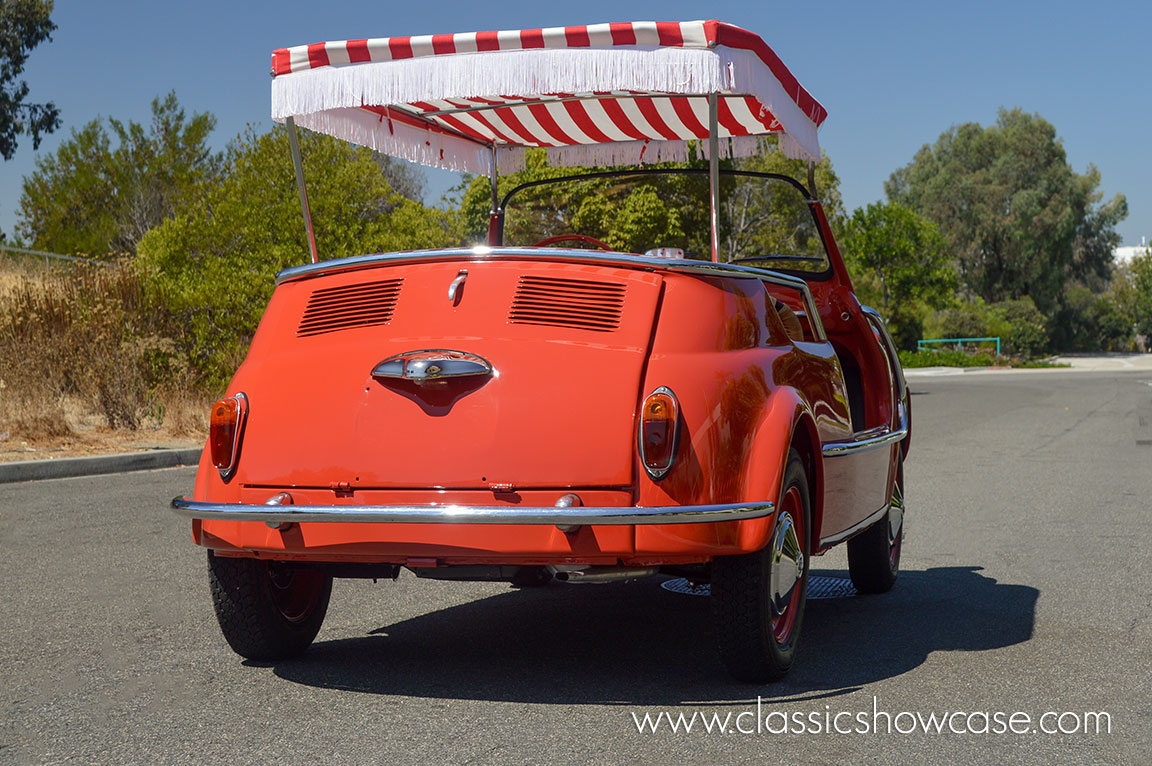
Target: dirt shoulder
x: 84, y: 445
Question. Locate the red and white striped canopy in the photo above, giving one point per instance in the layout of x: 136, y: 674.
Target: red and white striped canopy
x: 602, y: 94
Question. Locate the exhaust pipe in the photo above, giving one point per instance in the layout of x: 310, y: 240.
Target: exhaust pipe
x: 603, y: 574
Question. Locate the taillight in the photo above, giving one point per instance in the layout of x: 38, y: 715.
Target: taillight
x: 224, y: 429
x: 659, y: 431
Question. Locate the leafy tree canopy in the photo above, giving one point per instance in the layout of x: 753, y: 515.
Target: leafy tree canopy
x: 1018, y: 218
x: 1132, y: 293
x: 636, y: 213
x: 217, y: 257
x: 1085, y: 321
x: 900, y: 264
x: 24, y: 24
x: 88, y: 197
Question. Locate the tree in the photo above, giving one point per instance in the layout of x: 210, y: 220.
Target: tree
x: 1017, y: 217
x: 68, y: 203
x: 405, y: 178
x: 216, y: 258
x: 153, y: 169
x: 88, y: 197
x: 24, y: 24
x: 636, y: 213
x: 1132, y: 293
x: 1085, y: 321
x: 901, y: 263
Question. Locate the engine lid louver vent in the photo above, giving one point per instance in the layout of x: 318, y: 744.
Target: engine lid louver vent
x: 576, y: 303
x: 340, y: 308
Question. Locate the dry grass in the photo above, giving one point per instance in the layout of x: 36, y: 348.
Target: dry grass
x: 89, y: 361
x: 71, y: 429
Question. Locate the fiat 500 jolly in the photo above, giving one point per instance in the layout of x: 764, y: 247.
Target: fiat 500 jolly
x: 589, y: 395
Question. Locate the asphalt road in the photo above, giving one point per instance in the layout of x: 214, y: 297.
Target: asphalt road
x: 1026, y: 588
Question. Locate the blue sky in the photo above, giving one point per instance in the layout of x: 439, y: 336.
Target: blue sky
x: 892, y: 75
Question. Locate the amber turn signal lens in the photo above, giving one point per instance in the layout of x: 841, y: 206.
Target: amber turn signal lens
x: 658, y: 432
x: 223, y: 432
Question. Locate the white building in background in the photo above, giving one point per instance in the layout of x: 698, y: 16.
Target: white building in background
x: 1128, y: 252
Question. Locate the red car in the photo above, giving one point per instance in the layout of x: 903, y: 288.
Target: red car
x: 688, y: 385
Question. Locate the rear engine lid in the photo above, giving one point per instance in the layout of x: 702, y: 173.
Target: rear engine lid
x: 488, y: 374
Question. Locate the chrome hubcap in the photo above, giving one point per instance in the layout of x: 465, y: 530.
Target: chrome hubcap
x: 786, y: 565
x: 895, y: 515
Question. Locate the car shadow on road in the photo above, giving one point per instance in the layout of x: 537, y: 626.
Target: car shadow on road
x: 638, y: 644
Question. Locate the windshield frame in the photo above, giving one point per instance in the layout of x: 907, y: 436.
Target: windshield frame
x: 810, y: 199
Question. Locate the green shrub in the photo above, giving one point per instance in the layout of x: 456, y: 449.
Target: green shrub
x: 968, y: 319
x: 1026, y: 332
x: 946, y: 358
x: 216, y: 259
x: 1021, y: 327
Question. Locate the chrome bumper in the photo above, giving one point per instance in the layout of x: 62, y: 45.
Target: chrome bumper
x: 470, y: 514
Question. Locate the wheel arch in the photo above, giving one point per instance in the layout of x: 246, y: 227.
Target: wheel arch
x: 806, y: 442
x: 785, y: 423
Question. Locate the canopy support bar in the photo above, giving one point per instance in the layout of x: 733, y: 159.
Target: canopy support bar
x: 298, y: 165
x: 714, y: 172
x: 493, y: 177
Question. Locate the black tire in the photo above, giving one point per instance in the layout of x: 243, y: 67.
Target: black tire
x: 874, y: 554
x: 752, y: 643
x: 266, y: 611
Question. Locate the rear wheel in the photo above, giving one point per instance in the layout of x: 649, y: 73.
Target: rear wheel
x: 874, y: 554
x: 267, y: 611
x: 758, y: 598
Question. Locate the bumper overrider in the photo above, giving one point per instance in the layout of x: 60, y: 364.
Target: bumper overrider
x: 280, y: 511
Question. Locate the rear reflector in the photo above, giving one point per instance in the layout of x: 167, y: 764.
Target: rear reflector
x: 224, y: 429
x: 659, y: 432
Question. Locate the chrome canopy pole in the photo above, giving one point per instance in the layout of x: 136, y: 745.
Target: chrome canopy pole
x: 298, y: 164
x: 714, y: 172
x: 492, y: 175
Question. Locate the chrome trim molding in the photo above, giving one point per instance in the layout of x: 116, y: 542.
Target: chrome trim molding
x: 471, y: 514
x: 482, y: 253
x: 432, y: 364
x: 851, y: 531
x: 884, y: 438
x: 893, y: 357
x: 456, y: 284
x: 486, y: 253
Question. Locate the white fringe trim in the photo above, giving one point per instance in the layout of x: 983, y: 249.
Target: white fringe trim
x: 516, y: 72
x: 453, y: 153
x: 325, y: 100
x: 751, y: 75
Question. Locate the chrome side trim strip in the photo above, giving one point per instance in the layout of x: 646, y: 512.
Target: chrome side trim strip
x: 471, y: 514
x: 840, y: 537
x: 893, y: 357
x: 885, y: 438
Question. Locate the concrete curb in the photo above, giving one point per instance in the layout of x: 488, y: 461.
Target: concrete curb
x: 37, y: 470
